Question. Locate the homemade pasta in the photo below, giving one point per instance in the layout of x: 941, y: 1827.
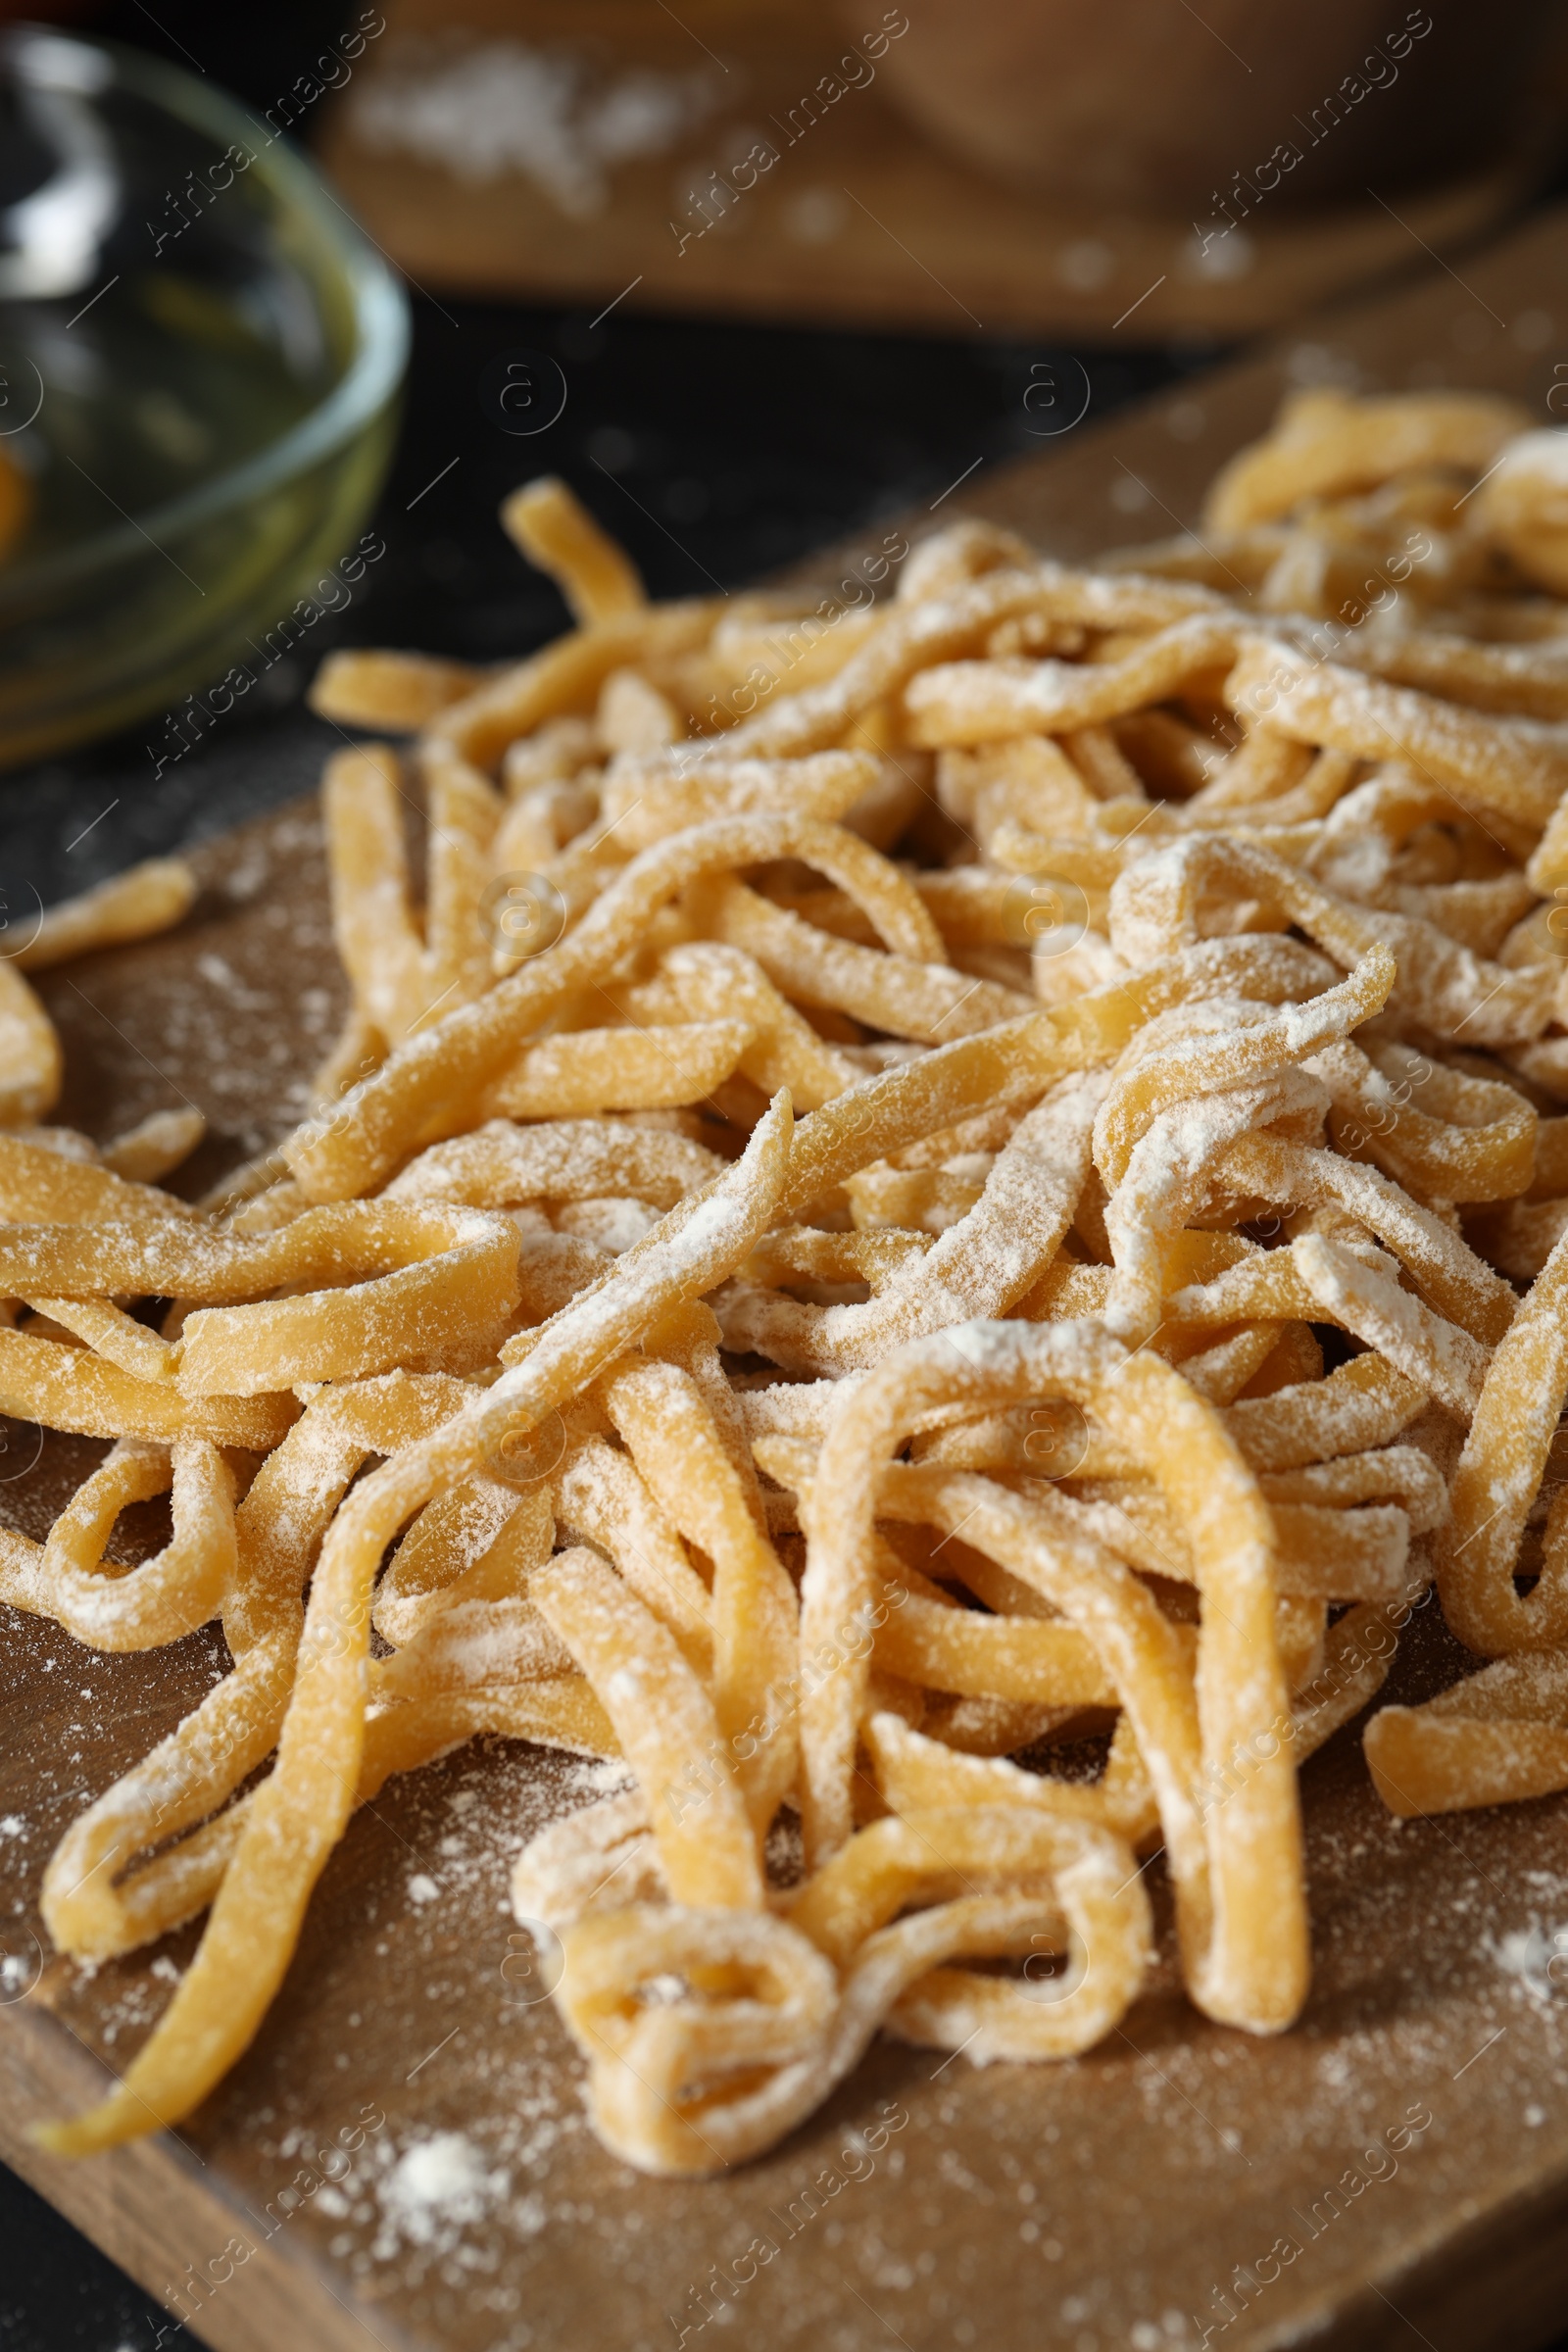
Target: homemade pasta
x: 937, y: 1221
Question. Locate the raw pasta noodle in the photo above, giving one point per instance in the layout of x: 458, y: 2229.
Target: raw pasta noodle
x: 1495, y: 1738
x: 831, y: 1299
x: 146, y: 899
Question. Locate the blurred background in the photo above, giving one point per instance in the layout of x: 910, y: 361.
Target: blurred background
x: 290, y: 298
x: 749, y: 273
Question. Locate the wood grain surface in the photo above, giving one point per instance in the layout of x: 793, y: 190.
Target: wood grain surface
x: 861, y: 219
x: 1392, y: 2172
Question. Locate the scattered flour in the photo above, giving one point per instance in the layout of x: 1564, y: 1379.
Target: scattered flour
x: 437, y: 2187
x: 1539, y: 1962
x: 503, y: 107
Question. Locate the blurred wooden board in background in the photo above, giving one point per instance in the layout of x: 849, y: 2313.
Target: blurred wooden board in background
x: 859, y: 222
x: 1103, y: 2204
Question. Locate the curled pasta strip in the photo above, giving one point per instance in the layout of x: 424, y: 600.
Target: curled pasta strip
x: 978, y: 1267
x: 1154, y: 909
x: 1007, y: 1065
x: 1361, y: 1403
x: 1263, y: 1282
x: 567, y: 676
x: 1440, y: 1355
x: 913, y: 635
x: 914, y: 1772
x: 1522, y: 678
x: 148, y: 899
x: 70, y: 1388
x: 930, y: 1001
x: 1330, y: 1281
x: 1251, y: 1967
x: 603, y: 1498
x: 986, y: 702
x: 1401, y: 1474
x: 1320, y: 1552
x: 1097, y: 1906
x: 1512, y: 767
x: 425, y: 1091
x: 1170, y: 1168
x: 479, y: 1542
x: 1144, y: 1656
x: 1468, y: 1139
x: 707, y: 979
x: 277, y: 1530
x: 170, y: 1595
x: 663, y: 1718
x: 588, y: 1070
x: 647, y: 800
x: 203, y: 1265
x: 601, y: 1858
x: 1205, y: 1064
x: 1459, y: 1284
x: 1017, y: 1060
x: 675, y: 2085
x: 564, y: 1160
x: 556, y: 1710
x: 43, y: 1187
x: 873, y: 1257
x: 658, y: 2073
x: 1323, y: 443
x: 661, y: 1413
x: 1496, y: 1738
x: 1497, y: 1477
x: 297, y: 1816
x: 426, y: 1263
x: 556, y: 532
x: 927, y: 1641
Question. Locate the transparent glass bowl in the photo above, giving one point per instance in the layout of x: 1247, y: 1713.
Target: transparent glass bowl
x: 200, y: 357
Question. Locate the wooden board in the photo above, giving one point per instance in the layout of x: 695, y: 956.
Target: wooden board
x: 858, y: 221
x: 1103, y: 2204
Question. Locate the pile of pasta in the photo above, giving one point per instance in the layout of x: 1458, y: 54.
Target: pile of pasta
x: 946, y: 1216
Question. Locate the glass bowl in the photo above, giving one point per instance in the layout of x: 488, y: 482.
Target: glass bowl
x: 200, y: 357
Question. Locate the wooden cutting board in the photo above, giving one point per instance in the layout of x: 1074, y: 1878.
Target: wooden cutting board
x: 1392, y: 2172
x: 859, y: 219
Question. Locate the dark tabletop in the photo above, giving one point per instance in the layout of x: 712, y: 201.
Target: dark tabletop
x: 718, y: 454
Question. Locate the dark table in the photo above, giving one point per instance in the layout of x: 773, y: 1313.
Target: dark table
x: 715, y: 453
